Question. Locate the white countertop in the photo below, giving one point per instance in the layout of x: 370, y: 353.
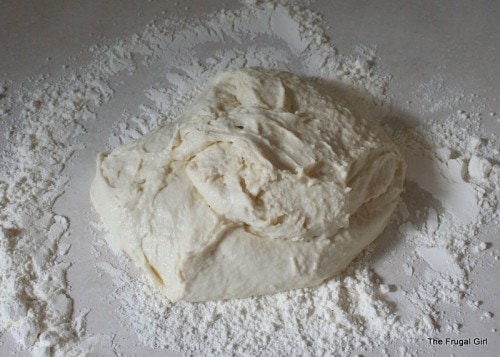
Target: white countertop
x: 415, y: 41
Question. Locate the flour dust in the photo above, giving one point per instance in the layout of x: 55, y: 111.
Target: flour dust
x: 451, y: 194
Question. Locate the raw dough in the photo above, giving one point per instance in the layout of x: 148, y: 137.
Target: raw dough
x: 264, y: 185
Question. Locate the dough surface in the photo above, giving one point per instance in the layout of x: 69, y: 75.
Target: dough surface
x: 264, y: 185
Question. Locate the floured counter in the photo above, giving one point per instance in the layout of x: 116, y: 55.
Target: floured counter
x: 430, y: 276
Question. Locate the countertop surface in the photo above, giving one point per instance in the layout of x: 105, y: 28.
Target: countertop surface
x: 455, y: 43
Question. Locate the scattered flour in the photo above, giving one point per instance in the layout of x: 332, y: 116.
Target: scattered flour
x: 35, y: 303
x: 452, y: 181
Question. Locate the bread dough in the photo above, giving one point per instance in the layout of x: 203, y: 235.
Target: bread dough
x: 264, y: 184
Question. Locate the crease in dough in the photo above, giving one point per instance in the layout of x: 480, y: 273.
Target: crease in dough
x: 264, y: 184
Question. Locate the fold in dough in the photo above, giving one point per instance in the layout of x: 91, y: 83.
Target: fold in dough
x: 264, y: 184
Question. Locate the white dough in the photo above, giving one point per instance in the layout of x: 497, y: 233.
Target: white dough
x: 264, y: 185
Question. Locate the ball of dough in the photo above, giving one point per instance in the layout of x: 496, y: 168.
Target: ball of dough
x: 265, y: 184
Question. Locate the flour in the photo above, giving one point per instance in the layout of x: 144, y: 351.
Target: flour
x: 360, y: 315
x: 446, y: 203
x: 35, y: 303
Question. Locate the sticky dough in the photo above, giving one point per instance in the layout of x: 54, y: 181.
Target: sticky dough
x: 264, y: 184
